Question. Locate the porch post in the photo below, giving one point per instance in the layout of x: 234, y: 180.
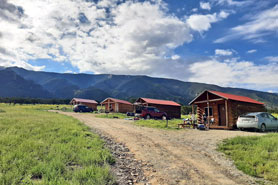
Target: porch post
x: 108, y: 105
x: 208, y: 118
x: 227, y: 116
x: 193, y: 116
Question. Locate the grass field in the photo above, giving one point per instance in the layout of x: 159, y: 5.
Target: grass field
x: 256, y: 156
x: 40, y: 147
x: 112, y: 115
x: 172, y: 124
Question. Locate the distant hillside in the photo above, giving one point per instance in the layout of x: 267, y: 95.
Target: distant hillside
x: 98, y: 87
x: 13, y: 85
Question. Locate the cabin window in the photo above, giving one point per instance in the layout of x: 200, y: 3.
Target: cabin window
x: 210, y: 111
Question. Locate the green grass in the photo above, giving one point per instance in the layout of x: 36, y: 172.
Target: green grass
x: 112, y: 115
x: 40, y: 147
x: 275, y: 115
x: 256, y: 156
x: 172, y: 124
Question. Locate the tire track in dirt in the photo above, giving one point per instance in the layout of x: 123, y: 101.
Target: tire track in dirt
x: 178, y: 157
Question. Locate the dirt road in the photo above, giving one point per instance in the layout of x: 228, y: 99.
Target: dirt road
x: 178, y: 157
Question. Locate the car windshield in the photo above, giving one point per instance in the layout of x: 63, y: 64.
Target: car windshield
x: 248, y: 115
x: 270, y: 116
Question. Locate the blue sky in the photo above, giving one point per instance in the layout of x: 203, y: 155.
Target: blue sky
x: 224, y: 42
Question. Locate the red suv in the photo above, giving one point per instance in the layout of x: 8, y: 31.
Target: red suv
x: 152, y: 112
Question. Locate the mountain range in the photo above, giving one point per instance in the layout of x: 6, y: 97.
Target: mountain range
x: 19, y: 82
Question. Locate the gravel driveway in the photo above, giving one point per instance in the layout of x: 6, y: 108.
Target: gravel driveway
x: 176, y: 156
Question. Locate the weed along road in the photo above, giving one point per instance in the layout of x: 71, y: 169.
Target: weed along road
x: 175, y: 156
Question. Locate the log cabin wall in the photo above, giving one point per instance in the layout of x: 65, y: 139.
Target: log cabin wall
x: 124, y: 108
x: 239, y: 108
x: 111, y: 108
x: 225, y: 108
x: 91, y: 105
x: 117, y: 106
x: 235, y: 109
x: 215, y: 111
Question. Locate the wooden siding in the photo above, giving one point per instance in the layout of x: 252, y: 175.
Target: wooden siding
x: 235, y: 108
x: 239, y: 108
x: 122, y: 108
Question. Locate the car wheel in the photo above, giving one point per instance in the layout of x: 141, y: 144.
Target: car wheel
x: 263, y: 128
x: 164, y: 117
x: 242, y: 129
x: 80, y: 111
x: 148, y: 117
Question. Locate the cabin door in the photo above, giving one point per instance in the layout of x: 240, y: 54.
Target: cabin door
x: 222, y: 114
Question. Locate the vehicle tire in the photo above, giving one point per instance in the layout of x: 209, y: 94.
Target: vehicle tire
x: 263, y: 128
x: 163, y: 117
x: 148, y: 117
x: 242, y: 129
x: 80, y: 111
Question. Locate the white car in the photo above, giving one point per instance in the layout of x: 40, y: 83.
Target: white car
x: 258, y: 120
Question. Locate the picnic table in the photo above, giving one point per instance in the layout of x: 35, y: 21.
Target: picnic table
x: 187, y: 124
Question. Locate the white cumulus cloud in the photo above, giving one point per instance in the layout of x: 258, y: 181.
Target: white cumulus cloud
x: 235, y: 73
x: 105, y: 37
x: 200, y: 23
x: 175, y: 57
x: 205, y: 5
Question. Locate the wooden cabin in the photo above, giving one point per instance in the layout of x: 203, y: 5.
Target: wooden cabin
x: 89, y: 103
x: 224, y: 108
x: 172, y: 108
x: 116, y: 105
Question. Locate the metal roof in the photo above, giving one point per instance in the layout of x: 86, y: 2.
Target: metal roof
x: 83, y: 100
x: 230, y: 97
x: 117, y: 101
x: 236, y: 97
x: 160, y: 102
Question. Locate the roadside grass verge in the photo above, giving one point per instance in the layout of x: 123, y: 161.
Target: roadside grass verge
x: 40, y: 147
x: 152, y: 123
x: 113, y: 115
x: 172, y: 124
x: 254, y: 155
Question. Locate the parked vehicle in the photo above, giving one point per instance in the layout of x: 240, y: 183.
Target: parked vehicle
x: 82, y: 108
x: 130, y: 114
x: 258, y: 120
x: 152, y: 112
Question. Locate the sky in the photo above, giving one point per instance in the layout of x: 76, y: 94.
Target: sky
x: 230, y: 43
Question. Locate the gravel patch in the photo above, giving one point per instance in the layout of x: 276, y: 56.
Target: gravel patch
x: 126, y: 169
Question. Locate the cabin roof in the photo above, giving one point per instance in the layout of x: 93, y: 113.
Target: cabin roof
x: 160, y: 102
x: 117, y: 101
x: 81, y: 100
x: 230, y: 97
